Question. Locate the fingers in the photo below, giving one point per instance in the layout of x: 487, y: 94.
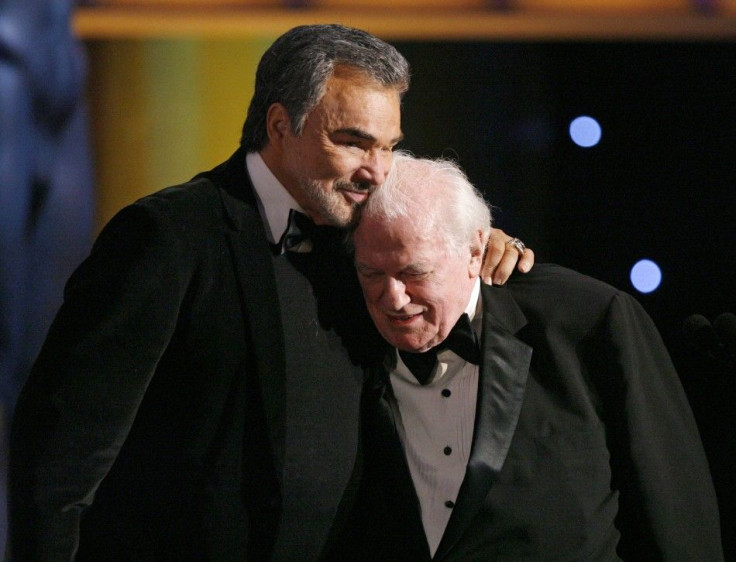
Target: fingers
x: 511, y: 258
x: 495, y: 250
x: 526, y: 262
x: 501, y: 259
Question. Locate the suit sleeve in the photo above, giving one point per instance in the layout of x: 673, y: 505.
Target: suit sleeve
x: 668, y: 509
x: 120, y: 310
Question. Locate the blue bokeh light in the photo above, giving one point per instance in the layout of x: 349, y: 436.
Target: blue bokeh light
x: 585, y: 131
x: 646, y: 276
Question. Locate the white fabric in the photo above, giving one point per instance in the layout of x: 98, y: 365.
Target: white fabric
x: 429, y: 421
x: 274, y: 202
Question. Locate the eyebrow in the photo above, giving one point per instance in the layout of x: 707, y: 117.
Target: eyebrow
x: 353, y: 132
x: 362, y: 266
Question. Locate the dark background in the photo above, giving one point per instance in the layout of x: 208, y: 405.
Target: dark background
x: 660, y: 185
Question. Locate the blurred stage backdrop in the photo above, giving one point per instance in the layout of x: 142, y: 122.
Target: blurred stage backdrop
x: 496, y: 86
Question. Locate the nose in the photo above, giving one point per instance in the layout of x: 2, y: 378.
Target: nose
x: 376, y: 165
x: 394, y: 295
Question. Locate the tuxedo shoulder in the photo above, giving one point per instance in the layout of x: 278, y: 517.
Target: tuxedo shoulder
x: 553, y: 293
x: 548, y: 276
x: 197, y: 204
x: 193, y: 197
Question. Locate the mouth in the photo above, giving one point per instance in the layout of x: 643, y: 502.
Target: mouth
x: 356, y: 192
x: 402, y: 319
x: 357, y: 197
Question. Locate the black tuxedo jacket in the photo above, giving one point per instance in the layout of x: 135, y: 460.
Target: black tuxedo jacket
x: 584, y: 447
x: 153, y: 424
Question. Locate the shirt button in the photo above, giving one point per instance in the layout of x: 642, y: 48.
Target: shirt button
x: 448, y: 450
x: 446, y: 392
x: 450, y: 504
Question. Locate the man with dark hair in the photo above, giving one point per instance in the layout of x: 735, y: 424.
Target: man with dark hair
x: 541, y: 420
x: 197, y: 395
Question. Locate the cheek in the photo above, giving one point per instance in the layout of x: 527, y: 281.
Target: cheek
x: 372, y: 297
x: 341, y: 164
x: 369, y: 290
x: 435, y: 314
x: 430, y: 299
x: 373, y: 308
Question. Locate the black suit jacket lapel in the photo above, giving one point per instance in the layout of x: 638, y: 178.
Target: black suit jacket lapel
x: 253, y: 264
x: 385, y: 456
x: 501, y: 387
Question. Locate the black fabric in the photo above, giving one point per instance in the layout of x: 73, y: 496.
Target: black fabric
x: 461, y: 340
x: 299, y: 229
x: 584, y: 447
x: 155, y: 424
x: 319, y: 375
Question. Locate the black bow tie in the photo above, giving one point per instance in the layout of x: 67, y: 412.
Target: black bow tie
x: 299, y: 229
x: 461, y: 340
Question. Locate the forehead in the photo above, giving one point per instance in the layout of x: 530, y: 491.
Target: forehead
x: 350, y: 99
x: 395, y: 243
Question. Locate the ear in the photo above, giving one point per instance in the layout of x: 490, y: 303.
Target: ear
x: 278, y: 124
x: 477, y: 249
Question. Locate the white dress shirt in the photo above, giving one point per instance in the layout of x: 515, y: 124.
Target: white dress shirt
x: 435, y: 424
x: 274, y: 202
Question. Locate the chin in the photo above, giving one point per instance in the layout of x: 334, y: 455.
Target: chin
x: 411, y: 347
x: 343, y: 217
x: 397, y: 342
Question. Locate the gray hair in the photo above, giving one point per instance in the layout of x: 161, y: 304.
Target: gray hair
x: 295, y: 69
x: 436, y: 195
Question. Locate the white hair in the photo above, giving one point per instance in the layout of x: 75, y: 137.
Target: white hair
x: 434, y: 194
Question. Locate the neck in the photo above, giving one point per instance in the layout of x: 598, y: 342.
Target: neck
x: 290, y: 184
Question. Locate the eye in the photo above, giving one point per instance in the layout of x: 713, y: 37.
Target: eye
x: 413, y: 275
x: 350, y: 141
x: 369, y: 274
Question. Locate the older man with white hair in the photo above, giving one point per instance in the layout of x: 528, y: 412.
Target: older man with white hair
x: 540, y: 420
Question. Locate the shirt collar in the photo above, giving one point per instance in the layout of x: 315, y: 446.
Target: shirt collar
x: 274, y: 202
x: 475, y: 305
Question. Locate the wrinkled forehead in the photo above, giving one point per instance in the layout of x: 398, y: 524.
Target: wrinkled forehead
x: 412, y: 239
